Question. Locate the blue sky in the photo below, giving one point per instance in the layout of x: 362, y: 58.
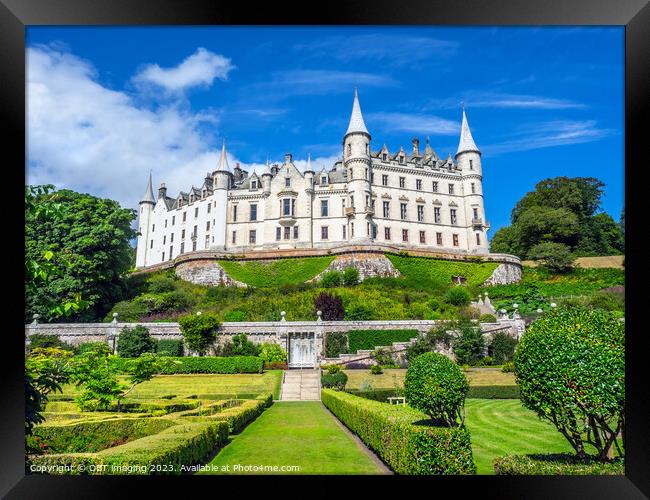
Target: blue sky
x: 106, y: 105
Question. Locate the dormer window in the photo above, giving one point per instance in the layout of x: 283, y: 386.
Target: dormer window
x: 205, y: 193
x: 384, y: 157
x: 254, y: 184
x: 401, y: 160
x: 323, y: 180
x: 180, y: 202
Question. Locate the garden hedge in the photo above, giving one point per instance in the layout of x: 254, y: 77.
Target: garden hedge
x: 170, y: 347
x: 240, y: 416
x: 401, y: 436
x: 475, y: 392
x: 369, y: 339
x: 555, y: 465
x: 207, y: 364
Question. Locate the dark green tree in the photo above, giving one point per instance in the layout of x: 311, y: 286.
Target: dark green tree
x: 133, y: 342
x: 468, y: 345
x: 199, y: 331
x: 89, y: 238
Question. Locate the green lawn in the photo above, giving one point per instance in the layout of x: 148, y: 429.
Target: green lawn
x: 302, y: 434
x: 504, y: 427
x: 276, y: 273
x: 204, y: 385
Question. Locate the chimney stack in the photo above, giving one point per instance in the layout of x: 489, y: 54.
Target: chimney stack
x: 416, y: 144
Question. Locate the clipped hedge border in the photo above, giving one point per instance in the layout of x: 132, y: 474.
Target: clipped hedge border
x: 369, y: 339
x: 206, y: 364
x: 554, y: 465
x: 240, y: 416
x: 475, y: 392
x: 394, y: 433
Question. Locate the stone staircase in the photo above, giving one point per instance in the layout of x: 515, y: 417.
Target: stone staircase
x: 363, y: 357
x: 301, y: 385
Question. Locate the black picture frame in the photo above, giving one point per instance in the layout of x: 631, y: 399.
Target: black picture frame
x: 15, y: 15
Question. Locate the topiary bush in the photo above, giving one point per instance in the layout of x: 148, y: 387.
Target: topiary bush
x: 570, y: 367
x: 132, y: 342
x: 458, y: 296
x: 199, y: 330
x: 335, y: 381
x: 435, y: 385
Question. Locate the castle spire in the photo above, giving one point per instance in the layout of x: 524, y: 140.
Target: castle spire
x: 466, y: 140
x: 223, y: 159
x: 308, y: 169
x: 148, y: 194
x: 356, y: 118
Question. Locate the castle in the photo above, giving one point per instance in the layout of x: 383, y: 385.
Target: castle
x: 412, y: 201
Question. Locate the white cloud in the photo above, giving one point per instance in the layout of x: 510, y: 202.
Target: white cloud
x: 473, y: 99
x: 199, y: 69
x: 416, y: 123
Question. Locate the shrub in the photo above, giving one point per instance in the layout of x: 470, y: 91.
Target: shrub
x: 335, y: 343
x: 555, y: 257
x: 503, y: 347
x: 44, y: 341
x: 609, y: 301
x: 350, y: 276
x: 469, y: 345
x: 359, y: 312
x: 508, y: 367
x: 134, y: 341
x: 235, y: 316
x: 241, y: 346
x: 487, y: 318
x: 376, y: 370
x: 436, y: 386
x: 570, y: 367
x: 369, y: 339
x: 272, y: 353
x: 394, y: 433
x: 199, y: 331
x: 335, y: 380
x: 484, y: 361
x: 100, y: 347
x: 331, y: 279
x: 555, y: 465
x: 382, y: 357
x: 170, y: 347
x: 332, y: 369
x: 129, y: 311
x: 206, y: 364
x: 331, y: 306
x: 493, y: 392
x: 160, y: 284
x: 458, y: 296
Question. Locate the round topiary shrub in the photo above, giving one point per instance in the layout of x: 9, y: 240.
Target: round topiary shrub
x: 570, y: 367
x: 132, y: 342
x: 436, y: 385
x: 335, y: 381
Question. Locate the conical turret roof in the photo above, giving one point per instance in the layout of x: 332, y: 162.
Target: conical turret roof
x: 357, y: 125
x: 148, y: 194
x: 466, y: 140
x: 223, y: 160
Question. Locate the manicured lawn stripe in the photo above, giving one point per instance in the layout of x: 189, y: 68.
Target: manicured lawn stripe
x: 296, y: 433
x: 276, y: 273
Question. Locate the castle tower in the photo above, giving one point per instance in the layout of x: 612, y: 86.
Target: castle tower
x: 468, y: 159
x: 223, y: 178
x: 147, y: 204
x: 356, y: 161
x: 266, y: 178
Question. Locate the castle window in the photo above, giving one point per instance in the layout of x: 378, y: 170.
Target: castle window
x: 386, y: 209
x: 234, y: 237
x: 209, y: 207
x: 349, y: 149
x: 323, y: 208
x: 163, y: 256
x: 420, y: 213
x: 196, y: 212
x: 164, y: 239
x: 173, y: 220
x: 207, y: 242
x: 194, y: 246
x: 422, y: 237
x: 153, y: 228
x: 471, y: 164
x: 234, y: 213
x: 366, y: 174
x: 367, y: 149
x: 165, y: 222
x: 344, y: 228
x: 436, y: 215
x: 183, y: 234
x: 295, y: 232
x: 435, y: 187
x: 374, y: 231
x: 171, y: 251
x: 253, y: 211
x: 323, y: 232
x: 473, y: 188
x: 476, y: 213
x: 401, y: 159
x: 451, y: 189
x: 254, y: 184
x: 151, y: 245
x: 439, y: 238
x: 405, y: 234
x: 418, y: 184
x: 352, y: 229
x: 287, y: 181
x: 372, y: 178
x: 278, y: 233
x: 207, y: 226
x: 455, y: 238
x: 195, y: 232
x: 402, y: 207
x: 183, y: 247
x: 452, y: 213
x: 323, y: 179
x: 384, y: 180
x: 387, y: 233
x: 478, y: 239
x: 184, y: 216
x: 287, y: 233
x: 286, y: 206
x: 252, y: 235
x: 384, y: 157
x: 171, y: 238
x: 402, y: 182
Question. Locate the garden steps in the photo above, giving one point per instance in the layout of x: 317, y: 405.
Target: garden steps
x: 365, y: 355
x: 301, y: 385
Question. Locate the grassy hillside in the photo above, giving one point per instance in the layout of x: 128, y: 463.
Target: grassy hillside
x: 276, y: 273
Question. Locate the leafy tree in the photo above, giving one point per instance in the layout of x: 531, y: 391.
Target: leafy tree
x: 469, y: 344
x: 134, y: 341
x: 199, y: 331
x: 436, y: 386
x: 570, y: 368
x: 503, y: 347
x: 96, y: 376
x: 87, y: 241
x: 330, y: 305
x: 556, y: 257
x: 272, y: 353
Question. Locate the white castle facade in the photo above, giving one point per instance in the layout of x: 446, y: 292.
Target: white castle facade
x: 414, y: 201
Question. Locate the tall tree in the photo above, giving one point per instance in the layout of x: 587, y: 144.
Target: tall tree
x: 91, y: 236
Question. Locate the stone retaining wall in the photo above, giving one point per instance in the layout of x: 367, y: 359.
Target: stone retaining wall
x: 206, y: 272
x: 504, y: 274
x: 369, y: 265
